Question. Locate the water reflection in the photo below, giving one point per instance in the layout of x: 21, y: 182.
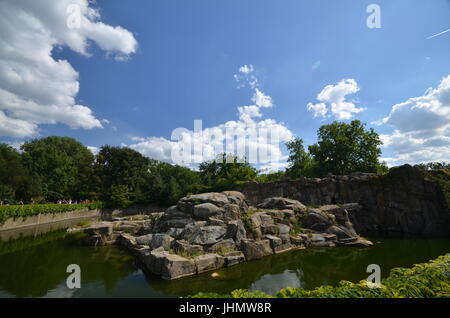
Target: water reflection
x: 36, y: 267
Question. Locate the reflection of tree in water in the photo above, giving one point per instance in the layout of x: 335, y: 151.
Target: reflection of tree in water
x: 35, y: 270
x: 313, y: 267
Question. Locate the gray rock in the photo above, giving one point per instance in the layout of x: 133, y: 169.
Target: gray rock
x: 126, y: 240
x: 144, y: 239
x: 223, y: 246
x: 181, y: 246
x: 233, y: 258
x: 176, y: 233
x: 102, y: 228
x: 208, y: 262
x: 275, y: 241
x: 161, y: 240
x: 231, y: 212
x: 317, y: 220
x: 282, y: 204
x: 206, y: 235
x: 236, y: 231
x: 204, y: 211
x: 175, y: 266
x: 256, y: 249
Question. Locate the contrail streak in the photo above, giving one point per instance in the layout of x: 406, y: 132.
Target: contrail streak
x: 433, y: 36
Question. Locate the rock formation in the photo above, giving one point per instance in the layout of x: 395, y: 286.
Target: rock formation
x: 205, y: 232
x: 405, y: 202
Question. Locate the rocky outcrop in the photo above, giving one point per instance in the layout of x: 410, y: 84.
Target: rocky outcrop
x: 404, y: 202
x: 213, y: 230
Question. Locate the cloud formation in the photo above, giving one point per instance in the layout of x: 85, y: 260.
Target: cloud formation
x: 258, y: 139
x: 333, y: 101
x: 421, y: 127
x: 35, y: 88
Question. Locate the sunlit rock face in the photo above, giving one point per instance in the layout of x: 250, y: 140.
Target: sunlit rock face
x: 205, y: 232
x: 406, y: 202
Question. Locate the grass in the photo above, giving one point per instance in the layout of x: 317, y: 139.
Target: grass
x: 183, y: 253
x: 427, y: 280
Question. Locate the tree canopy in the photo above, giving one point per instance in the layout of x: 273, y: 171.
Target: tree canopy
x: 345, y: 148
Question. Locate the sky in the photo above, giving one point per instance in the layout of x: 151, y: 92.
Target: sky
x: 131, y: 73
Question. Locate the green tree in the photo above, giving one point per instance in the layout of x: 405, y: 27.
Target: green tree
x: 345, y: 148
x: 435, y: 166
x: 301, y: 163
x: 167, y: 183
x: 62, y: 164
x: 226, y: 172
x: 122, y: 167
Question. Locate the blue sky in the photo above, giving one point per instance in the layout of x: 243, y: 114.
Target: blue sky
x: 187, y: 53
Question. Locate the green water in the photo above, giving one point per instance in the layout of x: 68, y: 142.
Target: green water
x: 36, y: 267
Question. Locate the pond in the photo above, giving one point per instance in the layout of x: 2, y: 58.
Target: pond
x: 35, y: 266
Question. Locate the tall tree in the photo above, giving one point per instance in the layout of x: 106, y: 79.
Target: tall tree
x: 63, y: 164
x: 301, y: 164
x: 345, y: 148
x: 123, y: 170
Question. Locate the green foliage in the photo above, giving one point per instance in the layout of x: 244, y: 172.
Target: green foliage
x: 428, y: 280
x: 345, y: 148
x: 8, y: 211
x: 271, y: 176
x: 168, y: 183
x: 301, y: 163
x: 60, y: 166
x: 119, y: 196
x: 435, y: 166
x: 442, y: 179
x: 226, y: 172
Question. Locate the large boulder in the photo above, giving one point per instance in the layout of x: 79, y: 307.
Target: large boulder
x: 317, y: 220
x: 282, y: 204
x: 236, y: 231
x: 233, y: 258
x: 101, y: 228
x: 208, y: 262
x: 256, y: 249
x: 144, y: 239
x: 175, y: 266
x: 205, y: 235
x: 223, y: 246
x: 183, y: 247
x: 206, y: 210
x: 161, y: 240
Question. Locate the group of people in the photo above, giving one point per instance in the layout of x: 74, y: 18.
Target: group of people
x: 7, y: 202
x: 63, y: 201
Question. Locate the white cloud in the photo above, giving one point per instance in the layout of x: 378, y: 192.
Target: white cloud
x: 246, y: 69
x: 261, y: 100
x: 319, y: 110
x: 34, y: 87
x: 421, y: 127
x: 245, y: 77
x: 258, y: 140
x: 333, y: 100
x: 93, y: 149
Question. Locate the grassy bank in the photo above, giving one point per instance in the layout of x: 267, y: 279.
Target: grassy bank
x: 14, y: 211
x: 427, y: 280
